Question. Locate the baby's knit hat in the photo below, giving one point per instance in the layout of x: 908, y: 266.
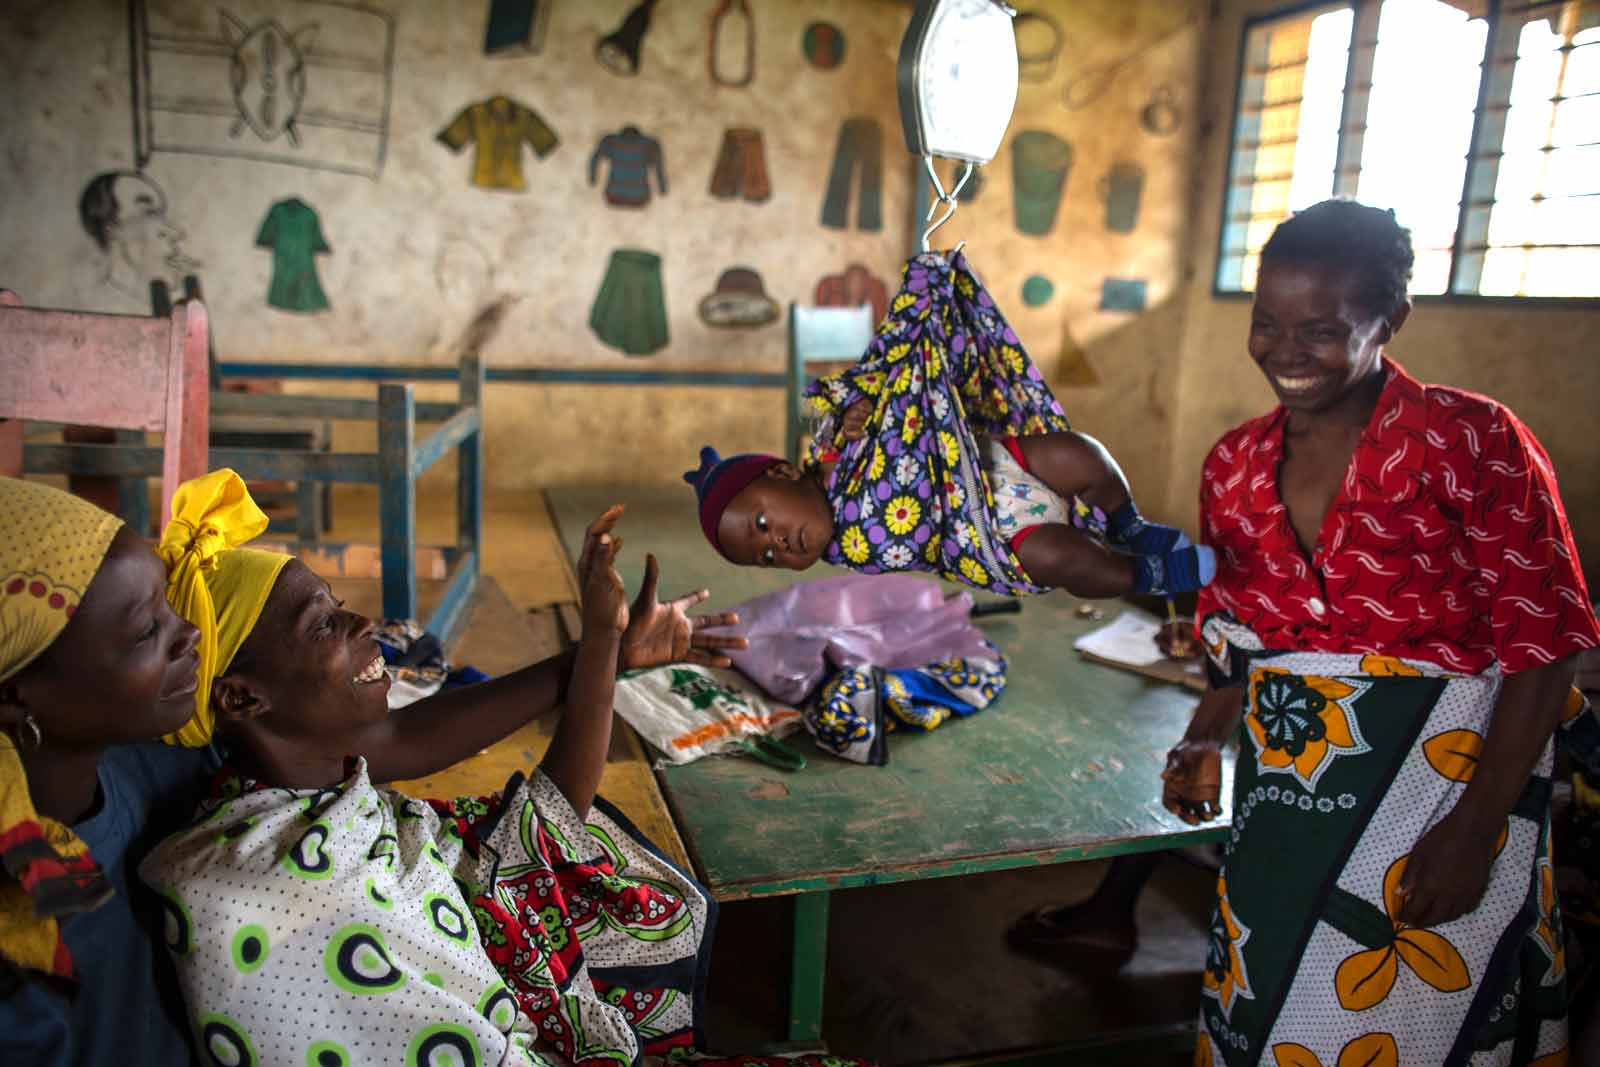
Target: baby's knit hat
x: 719, y: 480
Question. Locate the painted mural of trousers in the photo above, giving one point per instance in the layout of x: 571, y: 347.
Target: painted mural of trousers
x: 741, y: 168
x: 860, y: 150
x: 630, y: 311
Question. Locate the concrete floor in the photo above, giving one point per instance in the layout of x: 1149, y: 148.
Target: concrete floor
x: 920, y: 970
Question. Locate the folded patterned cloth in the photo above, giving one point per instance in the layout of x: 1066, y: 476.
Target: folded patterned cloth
x: 858, y: 707
x: 415, y: 661
x: 944, y: 372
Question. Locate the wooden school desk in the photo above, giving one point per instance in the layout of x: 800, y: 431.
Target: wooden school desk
x: 1064, y: 766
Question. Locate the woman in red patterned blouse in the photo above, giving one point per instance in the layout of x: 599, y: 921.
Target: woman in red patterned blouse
x: 1397, y: 606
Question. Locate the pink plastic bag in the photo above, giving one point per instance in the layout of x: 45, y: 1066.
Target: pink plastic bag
x: 797, y: 635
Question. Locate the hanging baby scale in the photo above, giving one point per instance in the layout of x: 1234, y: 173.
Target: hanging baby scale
x: 958, y: 87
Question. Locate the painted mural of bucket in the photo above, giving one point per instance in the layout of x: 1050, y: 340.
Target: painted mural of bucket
x: 1040, y: 162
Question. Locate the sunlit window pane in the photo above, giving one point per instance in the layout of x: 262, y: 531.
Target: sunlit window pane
x: 1258, y: 231
x: 1286, y: 132
x: 1531, y: 222
x: 1252, y: 267
x: 1419, y: 121
x: 1577, y: 122
x: 1322, y: 109
x: 1583, y: 68
x: 1573, y: 171
x: 1550, y: 169
x: 1540, y: 272
x: 1431, y: 272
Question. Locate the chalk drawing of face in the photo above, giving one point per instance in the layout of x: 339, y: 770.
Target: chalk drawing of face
x: 126, y: 214
x: 268, y: 72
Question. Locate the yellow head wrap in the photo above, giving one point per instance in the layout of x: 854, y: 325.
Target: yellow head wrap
x: 51, y: 545
x: 216, y: 585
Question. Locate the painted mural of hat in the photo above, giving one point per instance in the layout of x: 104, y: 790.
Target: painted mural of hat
x: 740, y: 301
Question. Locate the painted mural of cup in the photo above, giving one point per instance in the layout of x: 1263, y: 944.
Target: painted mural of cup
x: 1121, y: 189
x: 1040, y: 163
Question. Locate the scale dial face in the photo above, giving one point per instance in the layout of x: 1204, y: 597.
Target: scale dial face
x: 963, y: 78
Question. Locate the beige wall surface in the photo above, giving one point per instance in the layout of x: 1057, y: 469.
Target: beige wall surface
x: 1540, y: 361
x: 1115, y: 58
x: 416, y: 251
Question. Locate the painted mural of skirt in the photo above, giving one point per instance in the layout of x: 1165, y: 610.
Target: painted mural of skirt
x: 1345, y: 761
x: 630, y: 310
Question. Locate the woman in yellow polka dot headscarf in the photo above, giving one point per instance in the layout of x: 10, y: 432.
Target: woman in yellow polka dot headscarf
x: 92, y: 660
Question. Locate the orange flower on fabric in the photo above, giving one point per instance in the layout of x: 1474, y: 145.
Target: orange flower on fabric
x: 1226, y: 976
x: 1301, y: 724
x: 1454, y: 753
x: 1388, y: 667
x: 1576, y: 704
x: 1369, y: 1050
x: 1366, y: 978
x: 1549, y: 930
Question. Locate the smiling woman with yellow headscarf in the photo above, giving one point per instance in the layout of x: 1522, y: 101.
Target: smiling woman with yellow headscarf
x: 213, y: 582
x: 92, y: 662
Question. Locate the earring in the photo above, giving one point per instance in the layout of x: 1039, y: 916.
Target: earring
x: 35, y: 736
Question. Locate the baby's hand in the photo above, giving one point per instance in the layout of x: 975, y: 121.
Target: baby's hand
x: 853, y: 426
x: 605, y: 599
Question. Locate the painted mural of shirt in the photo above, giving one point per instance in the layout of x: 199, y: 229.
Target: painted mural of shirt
x: 1447, y: 542
x: 499, y: 127
x: 632, y: 155
x: 294, y: 234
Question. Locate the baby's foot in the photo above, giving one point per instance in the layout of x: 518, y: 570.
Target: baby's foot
x: 1153, y: 539
x: 1131, y: 531
x: 1182, y: 570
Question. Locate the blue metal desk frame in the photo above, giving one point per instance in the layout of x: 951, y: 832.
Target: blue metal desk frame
x: 400, y: 460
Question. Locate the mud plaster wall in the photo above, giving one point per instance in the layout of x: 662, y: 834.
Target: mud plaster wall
x: 418, y: 251
x: 1538, y: 361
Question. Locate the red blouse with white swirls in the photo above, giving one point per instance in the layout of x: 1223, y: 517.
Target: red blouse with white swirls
x: 1446, y: 543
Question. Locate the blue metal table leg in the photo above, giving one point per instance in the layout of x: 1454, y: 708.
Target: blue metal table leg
x: 397, y: 500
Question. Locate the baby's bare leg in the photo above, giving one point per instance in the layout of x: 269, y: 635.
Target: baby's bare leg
x: 1075, y: 464
x: 1062, y: 557
x: 1163, y: 559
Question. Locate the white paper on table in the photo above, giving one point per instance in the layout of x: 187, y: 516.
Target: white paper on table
x: 1130, y: 638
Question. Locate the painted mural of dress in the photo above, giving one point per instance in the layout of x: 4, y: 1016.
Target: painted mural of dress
x: 293, y: 232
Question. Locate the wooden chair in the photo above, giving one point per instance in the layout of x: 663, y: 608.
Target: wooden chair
x: 819, y: 335
x: 124, y: 372
x: 235, y: 424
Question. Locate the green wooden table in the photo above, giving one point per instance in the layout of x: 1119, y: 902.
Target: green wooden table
x: 1064, y: 766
